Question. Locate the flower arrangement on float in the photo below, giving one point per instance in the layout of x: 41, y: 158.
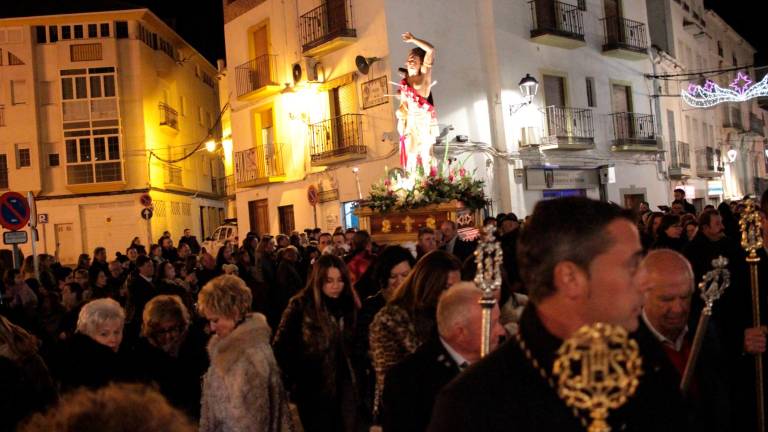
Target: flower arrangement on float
x: 436, y: 184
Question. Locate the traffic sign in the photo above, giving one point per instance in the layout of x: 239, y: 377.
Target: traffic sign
x: 145, y: 200
x: 14, y: 237
x: 42, y: 218
x: 146, y: 213
x: 313, y: 195
x: 14, y: 211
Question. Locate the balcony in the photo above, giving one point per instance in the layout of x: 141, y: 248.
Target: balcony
x: 680, y: 163
x: 223, y: 186
x: 567, y: 129
x: 173, y: 175
x: 756, y: 124
x: 336, y: 140
x: 169, y: 117
x: 634, y: 132
x: 256, y: 78
x: 327, y: 28
x: 259, y: 165
x: 709, y: 163
x: 732, y: 118
x: 557, y: 24
x: 625, y: 39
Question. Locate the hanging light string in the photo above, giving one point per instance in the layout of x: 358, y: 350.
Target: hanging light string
x: 198, y: 146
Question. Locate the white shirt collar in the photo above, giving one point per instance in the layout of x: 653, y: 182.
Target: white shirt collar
x: 458, y: 358
x: 677, y: 345
x: 145, y: 278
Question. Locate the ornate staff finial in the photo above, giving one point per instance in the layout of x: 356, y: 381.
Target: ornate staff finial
x: 751, y: 229
x: 715, y: 282
x: 598, y: 369
x: 488, y: 257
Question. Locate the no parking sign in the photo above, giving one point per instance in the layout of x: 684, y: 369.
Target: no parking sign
x: 14, y: 211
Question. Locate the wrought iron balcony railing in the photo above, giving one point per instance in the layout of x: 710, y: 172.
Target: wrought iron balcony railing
x: 709, y: 162
x: 566, y: 127
x: 756, y: 124
x: 558, y: 18
x: 168, y: 116
x: 259, y: 164
x: 338, y: 136
x: 624, y: 34
x: 682, y: 156
x: 633, y: 129
x: 255, y: 74
x: 330, y: 20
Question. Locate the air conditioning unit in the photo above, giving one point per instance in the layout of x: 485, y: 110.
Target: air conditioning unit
x: 305, y: 70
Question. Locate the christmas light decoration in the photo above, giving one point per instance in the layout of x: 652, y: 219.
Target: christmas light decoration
x: 710, y: 94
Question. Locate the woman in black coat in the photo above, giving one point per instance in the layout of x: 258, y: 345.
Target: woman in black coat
x: 670, y: 234
x: 91, y: 357
x: 167, y: 355
x: 313, y: 346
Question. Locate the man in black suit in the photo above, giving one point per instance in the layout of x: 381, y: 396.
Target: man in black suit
x: 412, y: 385
x: 680, y: 196
x: 141, y: 290
x: 579, y: 260
x: 453, y: 244
x: 191, y: 241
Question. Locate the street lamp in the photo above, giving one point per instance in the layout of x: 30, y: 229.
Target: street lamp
x: 529, y: 86
x: 210, y: 145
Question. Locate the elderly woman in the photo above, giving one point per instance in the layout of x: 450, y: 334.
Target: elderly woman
x: 166, y: 356
x: 242, y: 390
x: 90, y: 358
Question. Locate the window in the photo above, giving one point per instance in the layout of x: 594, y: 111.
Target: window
x: 66, y: 32
x: 719, y: 48
x: 182, y: 105
x: 201, y: 116
x: 92, y: 30
x: 121, y: 29
x: 78, y: 31
x: 591, y: 92
x: 41, y: 34
x: 3, y: 171
x: 18, y: 92
x: 53, y: 160
x: 734, y: 60
x: 23, y: 158
x: 105, y: 30
x: 93, y: 159
x: 582, y: 4
x: 53, y: 33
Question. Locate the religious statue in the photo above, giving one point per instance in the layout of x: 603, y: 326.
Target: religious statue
x: 416, y: 116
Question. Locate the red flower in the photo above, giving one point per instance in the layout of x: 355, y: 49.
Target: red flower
x: 462, y: 171
x: 433, y: 171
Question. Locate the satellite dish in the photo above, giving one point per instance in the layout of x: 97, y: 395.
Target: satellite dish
x: 364, y: 63
x: 297, y: 73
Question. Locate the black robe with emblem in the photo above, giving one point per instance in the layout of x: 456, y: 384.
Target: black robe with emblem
x: 412, y: 386
x: 504, y: 392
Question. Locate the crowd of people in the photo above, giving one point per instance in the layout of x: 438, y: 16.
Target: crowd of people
x: 321, y: 331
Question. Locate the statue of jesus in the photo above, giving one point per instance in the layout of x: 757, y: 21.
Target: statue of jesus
x: 416, y: 116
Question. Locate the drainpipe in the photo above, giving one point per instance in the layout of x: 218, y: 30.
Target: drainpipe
x: 656, y: 106
x: 501, y: 190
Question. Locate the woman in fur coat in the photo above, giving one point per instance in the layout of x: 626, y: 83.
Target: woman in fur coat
x: 242, y: 390
x: 313, y: 346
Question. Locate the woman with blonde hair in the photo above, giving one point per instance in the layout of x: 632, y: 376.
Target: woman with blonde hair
x: 92, y: 357
x: 242, y: 390
x: 313, y: 346
x: 26, y: 385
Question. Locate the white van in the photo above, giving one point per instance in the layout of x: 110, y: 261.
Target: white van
x: 225, y: 232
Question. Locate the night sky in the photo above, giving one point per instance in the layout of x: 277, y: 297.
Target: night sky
x: 748, y: 21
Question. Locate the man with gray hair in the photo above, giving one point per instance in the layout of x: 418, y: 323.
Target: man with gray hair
x: 412, y: 385
x: 668, y: 282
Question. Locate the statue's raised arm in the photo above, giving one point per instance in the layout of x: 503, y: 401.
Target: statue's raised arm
x: 416, y: 116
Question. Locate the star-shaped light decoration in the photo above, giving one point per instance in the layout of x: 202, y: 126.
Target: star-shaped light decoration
x: 692, y: 88
x: 740, y: 77
x: 709, y: 86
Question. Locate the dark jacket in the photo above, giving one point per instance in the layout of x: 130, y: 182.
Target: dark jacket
x: 191, y: 241
x: 462, y: 249
x: 316, y: 367
x: 505, y: 392
x: 25, y: 388
x: 178, y: 378
x: 140, y: 292
x: 666, y: 242
x: 289, y: 283
x: 412, y: 386
x: 81, y: 361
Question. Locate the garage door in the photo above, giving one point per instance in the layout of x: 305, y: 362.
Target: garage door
x: 112, y: 226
